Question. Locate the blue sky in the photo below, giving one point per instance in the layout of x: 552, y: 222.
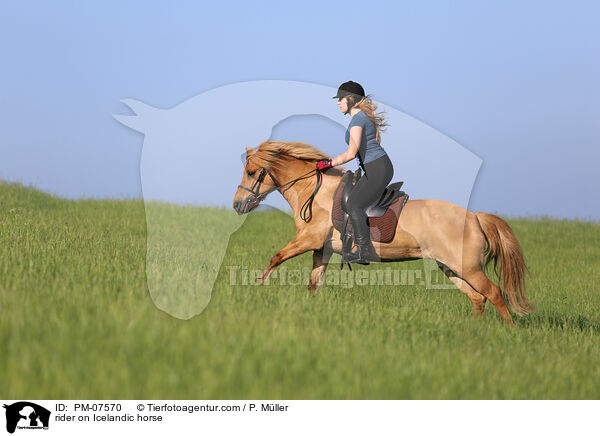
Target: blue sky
x: 516, y: 83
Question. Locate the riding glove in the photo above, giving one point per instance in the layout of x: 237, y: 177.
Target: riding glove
x: 324, y: 164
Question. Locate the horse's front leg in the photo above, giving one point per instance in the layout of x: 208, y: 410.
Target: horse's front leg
x: 321, y: 259
x: 300, y: 244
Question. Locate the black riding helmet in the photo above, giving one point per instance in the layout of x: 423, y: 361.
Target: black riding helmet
x: 350, y: 88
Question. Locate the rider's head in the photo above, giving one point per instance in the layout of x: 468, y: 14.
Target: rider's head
x: 349, y: 94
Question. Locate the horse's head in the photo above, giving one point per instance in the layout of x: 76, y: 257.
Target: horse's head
x: 277, y: 165
x: 257, y: 182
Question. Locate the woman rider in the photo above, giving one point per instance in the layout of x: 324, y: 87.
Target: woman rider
x: 363, y: 139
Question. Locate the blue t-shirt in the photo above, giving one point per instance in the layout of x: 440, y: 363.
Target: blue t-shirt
x: 369, y: 148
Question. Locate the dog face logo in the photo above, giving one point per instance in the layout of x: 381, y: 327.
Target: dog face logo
x: 26, y: 415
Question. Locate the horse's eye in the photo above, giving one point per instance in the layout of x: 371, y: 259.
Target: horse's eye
x: 251, y: 173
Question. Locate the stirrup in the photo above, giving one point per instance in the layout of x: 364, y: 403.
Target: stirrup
x: 361, y: 256
x: 347, y: 257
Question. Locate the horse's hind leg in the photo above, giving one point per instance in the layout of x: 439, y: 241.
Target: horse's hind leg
x: 479, y: 281
x: 476, y: 298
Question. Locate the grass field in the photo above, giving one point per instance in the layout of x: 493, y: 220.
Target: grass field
x: 77, y: 319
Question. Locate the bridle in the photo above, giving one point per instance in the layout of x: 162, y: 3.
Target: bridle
x: 306, y: 207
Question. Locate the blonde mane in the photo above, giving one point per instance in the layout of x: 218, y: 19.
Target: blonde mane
x: 277, y: 154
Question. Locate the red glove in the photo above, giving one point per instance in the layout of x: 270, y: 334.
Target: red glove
x: 324, y: 164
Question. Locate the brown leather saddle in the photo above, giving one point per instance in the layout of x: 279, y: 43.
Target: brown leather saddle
x: 382, y: 215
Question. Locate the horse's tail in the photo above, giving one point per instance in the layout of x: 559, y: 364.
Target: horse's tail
x: 504, y: 248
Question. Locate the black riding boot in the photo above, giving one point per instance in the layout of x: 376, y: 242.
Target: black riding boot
x: 362, y: 237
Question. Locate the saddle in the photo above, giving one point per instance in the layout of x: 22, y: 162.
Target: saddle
x: 382, y: 215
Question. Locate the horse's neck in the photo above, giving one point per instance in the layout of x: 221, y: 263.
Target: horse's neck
x: 300, y: 191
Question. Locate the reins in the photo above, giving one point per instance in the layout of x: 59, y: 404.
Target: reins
x: 306, y: 209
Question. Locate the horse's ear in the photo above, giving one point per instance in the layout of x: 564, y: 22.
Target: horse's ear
x: 249, y: 152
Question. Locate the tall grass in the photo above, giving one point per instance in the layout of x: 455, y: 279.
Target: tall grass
x: 77, y: 319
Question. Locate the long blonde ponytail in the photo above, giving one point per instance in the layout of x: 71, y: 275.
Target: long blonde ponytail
x: 367, y: 105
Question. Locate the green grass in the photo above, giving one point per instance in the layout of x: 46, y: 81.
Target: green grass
x: 77, y: 317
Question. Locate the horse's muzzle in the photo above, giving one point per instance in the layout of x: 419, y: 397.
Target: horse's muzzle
x: 245, y: 205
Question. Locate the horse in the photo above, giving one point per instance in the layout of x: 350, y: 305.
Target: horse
x: 462, y: 242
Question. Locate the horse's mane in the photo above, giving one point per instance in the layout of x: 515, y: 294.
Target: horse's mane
x: 276, y: 154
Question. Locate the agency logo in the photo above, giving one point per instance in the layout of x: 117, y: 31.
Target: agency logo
x: 26, y: 415
x: 190, y: 156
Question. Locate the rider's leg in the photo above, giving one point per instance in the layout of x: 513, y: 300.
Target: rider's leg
x: 369, y: 188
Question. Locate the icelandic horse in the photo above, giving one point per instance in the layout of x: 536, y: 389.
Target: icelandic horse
x: 462, y: 243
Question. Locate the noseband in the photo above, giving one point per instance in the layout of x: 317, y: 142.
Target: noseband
x: 306, y: 207
x: 254, y: 190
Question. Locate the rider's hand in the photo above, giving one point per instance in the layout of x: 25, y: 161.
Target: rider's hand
x: 323, y: 164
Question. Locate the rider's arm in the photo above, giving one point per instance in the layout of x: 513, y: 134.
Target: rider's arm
x: 348, y: 155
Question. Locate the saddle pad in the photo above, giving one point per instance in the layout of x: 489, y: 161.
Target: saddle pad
x: 383, y: 228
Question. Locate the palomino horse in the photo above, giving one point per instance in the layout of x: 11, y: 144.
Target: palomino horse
x: 432, y: 229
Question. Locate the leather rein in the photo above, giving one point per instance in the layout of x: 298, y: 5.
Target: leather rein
x: 305, y: 210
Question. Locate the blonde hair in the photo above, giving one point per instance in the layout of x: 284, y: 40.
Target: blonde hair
x: 272, y: 154
x: 367, y: 105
